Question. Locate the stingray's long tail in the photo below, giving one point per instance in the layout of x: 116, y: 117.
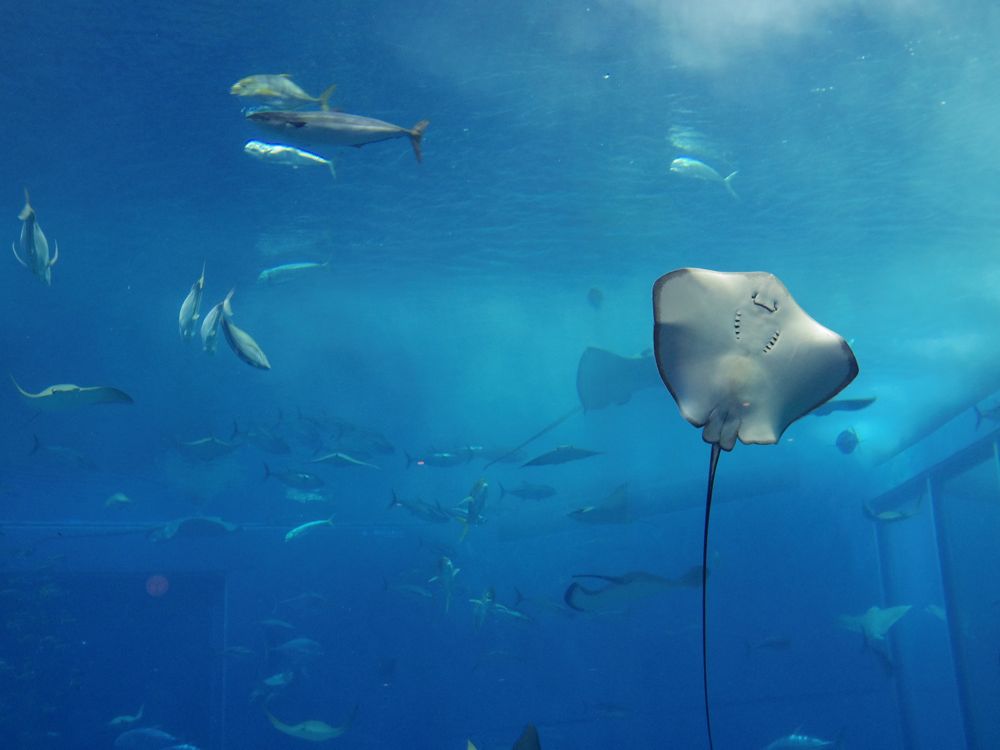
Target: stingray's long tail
x: 548, y: 428
x: 713, y: 463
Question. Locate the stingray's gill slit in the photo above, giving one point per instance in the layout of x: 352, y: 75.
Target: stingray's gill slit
x: 713, y: 379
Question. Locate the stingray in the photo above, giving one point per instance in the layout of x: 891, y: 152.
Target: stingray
x: 875, y: 623
x: 602, y: 379
x: 743, y: 361
x: 619, y: 591
x: 69, y: 396
x: 612, y: 509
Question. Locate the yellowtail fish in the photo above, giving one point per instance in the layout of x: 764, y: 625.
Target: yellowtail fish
x: 288, y: 272
x: 307, y: 528
x: 278, y: 87
x: 290, y: 156
x: 188, y: 317
x: 336, y: 128
x: 34, y: 246
x: 698, y: 170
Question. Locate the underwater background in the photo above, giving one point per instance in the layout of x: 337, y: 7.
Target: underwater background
x: 456, y: 299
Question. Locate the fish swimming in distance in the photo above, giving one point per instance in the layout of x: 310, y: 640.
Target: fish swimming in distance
x: 275, y: 153
x: 620, y: 591
x: 342, y: 459
x: 279, y: 87
x: 145, y: 739
x: 698, y: 170
x: 311, y: 730
x: 991, y: 413
x: 289, y: 272
x: 192, y: 527
x: 421, y: 509
x: 206, y: 448
x: 446, y: 575
x: 299, y: 480
x: 34, y: 247
x: 561, y: 455
x: 529, y: 491
x: 595, y: 297
x: 300, y: 649
x: 117, y: 500
x: 126, y: 720
x: 68, y: 396
x: 61, y: 454
x: 798, y: 741
x: 528, y: 740
x: 306, y: 528
x: 441, y: 459
x: 188, y: 317
x: 336, y: 128
x: 847, y: 441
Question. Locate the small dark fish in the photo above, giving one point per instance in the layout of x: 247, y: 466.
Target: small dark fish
x: 299, y: 480
x: 205, y: 449
x: 529, y: 491
x: 336, y: 128
x: 847, y: 441
x: 772, y: 643
x: 421, y: 509
x: 595, y: 297
x: 561, y: 455
x: 842, y: 404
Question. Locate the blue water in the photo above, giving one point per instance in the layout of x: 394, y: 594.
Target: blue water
x: 453, y: 313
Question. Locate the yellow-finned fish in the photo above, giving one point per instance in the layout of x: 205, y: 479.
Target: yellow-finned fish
x: 279, y: 86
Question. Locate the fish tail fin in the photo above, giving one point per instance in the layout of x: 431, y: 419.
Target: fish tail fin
x: 416, y: 134
x: 324, y: 98
x: 409, y: 459
x: 465, y: 529
x: 56, y: 256
x: 227, y: 308
x: 333, y: 171
x: 267, y: 472
x: 13, y: 249
x: 518, y: 596
x: 502, y: 490
x: 27, y: 211
x: 236, y: 433
x: 36, y: 445
x: 394, y: 502
x: 728, y: 182
x: 979, y: 416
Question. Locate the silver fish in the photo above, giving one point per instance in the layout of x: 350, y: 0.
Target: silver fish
x: 698, y: 170
x: 242, y: 343
x: 290, y: 156
x: 336, y: 128
x: 210, y: 325
x: 188, y: 318
x: 34, y: 247
x: 288, y: 272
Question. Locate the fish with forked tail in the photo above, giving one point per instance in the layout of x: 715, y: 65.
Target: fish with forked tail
x: 279, y: 88
x: 336, y: 128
